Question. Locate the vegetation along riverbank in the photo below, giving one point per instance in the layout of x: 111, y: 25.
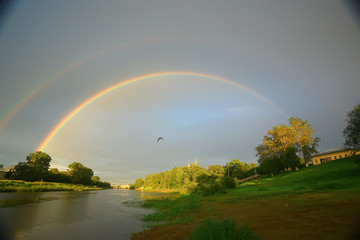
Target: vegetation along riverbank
x: 23, y: 186
x: 318, y: 202
x: 35, y: 175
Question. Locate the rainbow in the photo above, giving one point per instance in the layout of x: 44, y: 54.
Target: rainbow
x: 74, y: 66
x: 106, y: 91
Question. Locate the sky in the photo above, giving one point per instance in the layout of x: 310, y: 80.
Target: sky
x: 223, y: 74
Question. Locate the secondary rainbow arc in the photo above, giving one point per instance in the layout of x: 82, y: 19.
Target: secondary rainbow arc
x: 104, y: 92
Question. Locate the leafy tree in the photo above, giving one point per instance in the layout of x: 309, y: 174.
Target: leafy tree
x: 80, y: 174
x: 54, y: 171
x: 217, y: 170
x: 228, y: 182
x: 103, y: 184
x: 281, y: 138
x: 208, y: 184
x: 138, y: 183
x: 40, y: 162
x: 34, y: 169
x: 269, y: 164
x: 191, y: 171
x: 22, y: 171
x: 304, y: 143
x: 238, y: 169
x: 54, y: 175
x: 179, y: 176
x: 95, y: 179
x: 276, y: 164
x: 352, y: 130
x: 290, y: 159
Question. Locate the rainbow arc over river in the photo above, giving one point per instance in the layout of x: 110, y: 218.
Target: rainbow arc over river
x: 146, y: 77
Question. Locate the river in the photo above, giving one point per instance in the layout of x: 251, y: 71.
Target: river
x: 105, y: 214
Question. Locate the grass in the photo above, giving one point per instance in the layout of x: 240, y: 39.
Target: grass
x: 23, y: 186
x: 339, y: 175
x: 222, y: 230
x: 171, y: 210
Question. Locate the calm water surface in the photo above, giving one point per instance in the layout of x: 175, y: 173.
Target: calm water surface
x: 106, y: 214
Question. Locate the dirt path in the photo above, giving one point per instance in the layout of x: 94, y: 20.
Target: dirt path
x: 307, y: 216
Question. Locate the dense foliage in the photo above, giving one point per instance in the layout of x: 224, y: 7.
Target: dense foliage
x: 287, y: 147
x: 352, y: 130
x: 193, y: 178
x: 36, y: 168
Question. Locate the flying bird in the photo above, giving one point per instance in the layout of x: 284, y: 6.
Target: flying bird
x: 160, y: 138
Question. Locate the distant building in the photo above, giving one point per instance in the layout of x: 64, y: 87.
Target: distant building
x: 126, y: 186
x: 3, y: 171
x: 195, y: 163
x: 334, y: 154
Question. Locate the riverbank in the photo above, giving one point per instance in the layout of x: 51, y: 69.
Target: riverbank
x: 318, y: 202
x: 23, y: 186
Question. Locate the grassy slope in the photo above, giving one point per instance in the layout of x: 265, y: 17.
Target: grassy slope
x: 308, y: 202
x: 341, y: 175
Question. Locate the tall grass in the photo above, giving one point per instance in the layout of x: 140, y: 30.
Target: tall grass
x: 223, y: 230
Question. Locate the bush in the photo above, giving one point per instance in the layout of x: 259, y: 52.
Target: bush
x: 223, y: 230
x: 228, y: 182
x: 208, y: 185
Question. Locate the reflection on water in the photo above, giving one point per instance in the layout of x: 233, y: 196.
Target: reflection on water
x: 108, y: 214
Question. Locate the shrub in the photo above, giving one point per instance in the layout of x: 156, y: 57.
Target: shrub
x: 228, y: 182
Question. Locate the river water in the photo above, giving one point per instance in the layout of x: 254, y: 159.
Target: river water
x: 105, y: 214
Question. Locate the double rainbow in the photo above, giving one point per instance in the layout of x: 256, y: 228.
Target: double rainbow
x: 106, y: 91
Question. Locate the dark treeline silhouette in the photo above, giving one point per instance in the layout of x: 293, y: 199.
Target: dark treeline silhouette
x: 36, y: 168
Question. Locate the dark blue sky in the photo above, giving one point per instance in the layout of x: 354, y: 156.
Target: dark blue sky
x: 302, y: 55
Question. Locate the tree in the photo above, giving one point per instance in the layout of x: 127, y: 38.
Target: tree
x: 207, y: 184
x: 352, y: 130
x: 279, y: 139
x: 304, y: 143
x: 95, y: 180
x: 22, y: 171
x: 54, y: 175
x: 138, y: 183
x: 289, y: 159
x: 217, y: 170
x: 80, y: 174
x: 40, y: 162
x: 238, y: 169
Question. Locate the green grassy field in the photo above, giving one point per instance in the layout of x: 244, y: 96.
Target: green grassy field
x: 22, y: 186
x: 328, y: 191
x: 340, y: 175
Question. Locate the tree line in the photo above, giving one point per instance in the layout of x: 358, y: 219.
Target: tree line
x: 37, y: 168
x: 193, y: 178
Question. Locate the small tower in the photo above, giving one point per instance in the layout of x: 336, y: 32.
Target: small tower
x: 195, y: 161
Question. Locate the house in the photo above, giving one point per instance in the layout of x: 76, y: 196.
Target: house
x: 334, y: 154
x: 3, y: 171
